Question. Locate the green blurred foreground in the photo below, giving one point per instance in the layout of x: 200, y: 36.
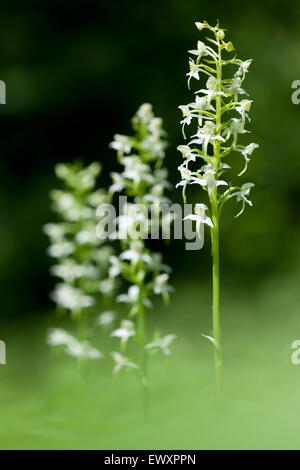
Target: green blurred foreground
x: 47, y: 402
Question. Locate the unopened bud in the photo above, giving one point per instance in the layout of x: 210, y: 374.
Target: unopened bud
x: 229, y: 46
x: 220, y: 34
x: 199, y: 25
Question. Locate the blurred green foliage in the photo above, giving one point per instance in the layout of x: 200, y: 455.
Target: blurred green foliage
x: 48, y: 402
x: 77, y: 71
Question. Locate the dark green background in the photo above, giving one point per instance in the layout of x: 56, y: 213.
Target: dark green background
x: 76, y: 71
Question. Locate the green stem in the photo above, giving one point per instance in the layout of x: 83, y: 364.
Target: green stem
x: 215, y: 236
x: 216, y: 290
x: 143, y: 341
x: 141, y: 323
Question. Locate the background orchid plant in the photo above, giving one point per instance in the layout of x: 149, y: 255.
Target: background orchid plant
x: 143, y: 180
x: 81, y: 258
x: 215, y: 119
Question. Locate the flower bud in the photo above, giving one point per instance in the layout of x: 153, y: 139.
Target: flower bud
x: 229, y: 46
x: 220, y: 34
x: 199, y: 25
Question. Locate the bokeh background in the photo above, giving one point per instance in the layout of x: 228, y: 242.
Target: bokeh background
x: 75, y: 74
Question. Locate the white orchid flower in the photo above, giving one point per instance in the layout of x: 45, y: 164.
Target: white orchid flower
x: 145, y: 112
x: 122, y: 362
x: 86, y: 236
x: 187, y: 117
x: 83, y: 349
x: 236, y: 127
x: 72, y: 298
x: 212, y: 90
x: 235, y: 88
x: 243, y: 67
x: 126, y: 331
x: 205, y: 135
x: 78, y: 213
x: 243, y: 108
x: 64, y: 201
x: 200, y: 51
x: 242, y: 196
x: 69, y: 270
x: 58, y: 337
x: 246, y: 152
x: 186, y: 178
x: 61, y: 249
x: 54, y: 231
x: 208, y: 180
x: 200, y: 217
x: 161, y: 283
x: 208, y: 167
x: 73, y: 347
x: 132, y: 295
x: 118, y: 183
x: 115, y: 267
x: 132, y: 299
x: 106, y: 318
x: 136, y: 171
x: 135, y: 253
x: 155, y: 127
x: 154, y: 146
x: 194, y: 70
x: 121, y: 144
x: 161, y: 286
x: 187, y: 153
x: 162, y: 344
x: 107, y: 286
x: 200, y: 104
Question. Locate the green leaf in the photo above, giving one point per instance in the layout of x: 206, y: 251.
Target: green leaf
x: 212, y: 340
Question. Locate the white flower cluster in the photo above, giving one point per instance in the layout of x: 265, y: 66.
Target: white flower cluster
x: 81, y: 259
x: 144, y: 181
x: 137, y: 154
x: 71, y: 345
x: 148, y: 139
x: 217, y: 117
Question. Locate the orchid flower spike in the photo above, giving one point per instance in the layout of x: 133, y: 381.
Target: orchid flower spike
x: 212, y: 125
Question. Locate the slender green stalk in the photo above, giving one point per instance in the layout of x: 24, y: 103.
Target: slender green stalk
x: 215, y: 235
x: 141, y: 333
x: 216, y: 290
x: 141, y: 330
x: 144, y: 366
